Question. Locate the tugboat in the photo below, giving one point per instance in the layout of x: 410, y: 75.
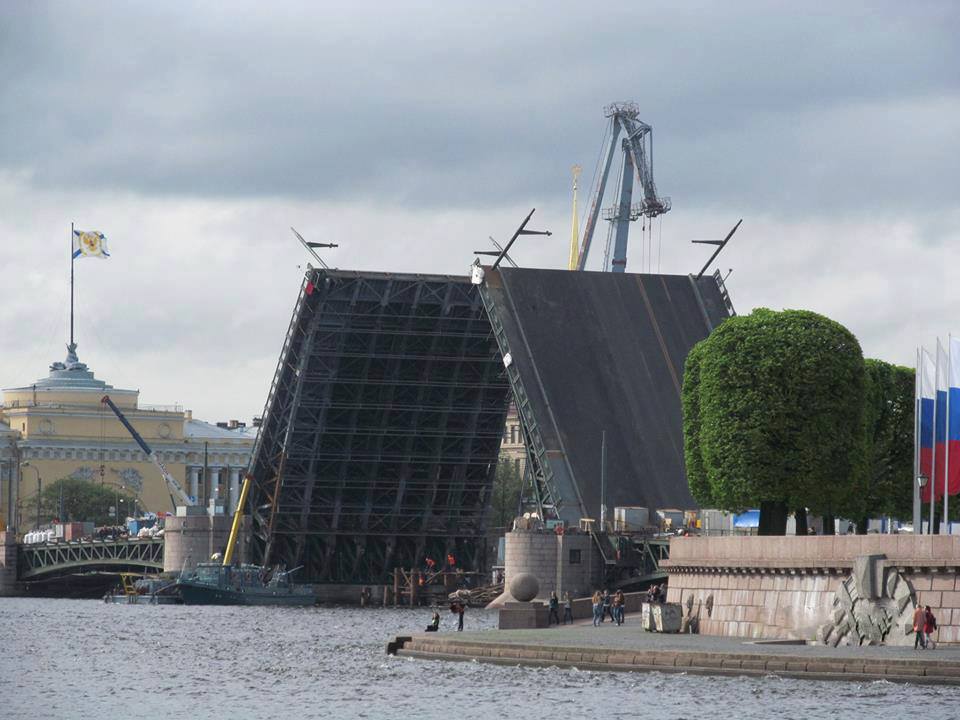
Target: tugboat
x: 143, y: 590
x: 217, y: 584
x: 222, y: 583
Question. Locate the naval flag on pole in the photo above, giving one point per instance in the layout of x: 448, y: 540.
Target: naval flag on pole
x: 89, y: 243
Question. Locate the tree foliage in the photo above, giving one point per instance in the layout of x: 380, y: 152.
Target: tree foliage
x: 888, y: 420
x: 507, y: 486
x: 774, y: 413
x: 84, y: 500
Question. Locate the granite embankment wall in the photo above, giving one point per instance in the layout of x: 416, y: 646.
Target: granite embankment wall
x: 8, y: 563
x: 758, y: 662
x: 790, y: 587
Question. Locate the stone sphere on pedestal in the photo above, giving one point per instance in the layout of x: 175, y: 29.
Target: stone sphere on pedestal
x: 524, y: 587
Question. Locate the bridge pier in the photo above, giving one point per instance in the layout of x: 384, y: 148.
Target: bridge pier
x: 8, y: 564
x: 191, y: 539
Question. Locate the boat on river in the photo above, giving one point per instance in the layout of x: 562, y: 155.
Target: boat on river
x: 137, y: 589
x: 217, y: 584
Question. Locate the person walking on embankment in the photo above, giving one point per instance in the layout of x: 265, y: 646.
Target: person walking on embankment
x: 919, y: 620
x: 929, y: 627
x: 458, y: 607
x: 618, y: 602
x: 567, y: 608
x: 554, y: 606
x: 597, y: 608
x: 607, y: 610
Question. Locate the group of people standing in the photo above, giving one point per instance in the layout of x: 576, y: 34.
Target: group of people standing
x: 607, y: 605
x: 924, y: 625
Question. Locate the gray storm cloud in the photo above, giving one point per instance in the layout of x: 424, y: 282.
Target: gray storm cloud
x: 194, y: 135
x: 752, y: 103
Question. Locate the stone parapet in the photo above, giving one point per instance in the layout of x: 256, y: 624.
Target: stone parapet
x: 813, y: 551
x: 697, y: 661
x: 8, y: 563
x: 793, y: 587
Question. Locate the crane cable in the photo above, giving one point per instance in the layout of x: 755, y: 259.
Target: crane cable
x: 659, y: 242
x: 100, y: 450
x: 594, y: 183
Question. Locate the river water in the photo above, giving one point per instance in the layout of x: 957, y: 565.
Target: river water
x: 86, y: 659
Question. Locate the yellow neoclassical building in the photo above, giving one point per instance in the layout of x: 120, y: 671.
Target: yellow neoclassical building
x: 58, y: 427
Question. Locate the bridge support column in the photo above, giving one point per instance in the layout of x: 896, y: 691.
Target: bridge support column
x: 8, y: 564
x: 192, y: 538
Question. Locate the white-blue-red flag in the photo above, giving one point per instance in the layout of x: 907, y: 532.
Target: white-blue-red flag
x: 943, y: 386
x: 953, y: 426
x: 928, y: 391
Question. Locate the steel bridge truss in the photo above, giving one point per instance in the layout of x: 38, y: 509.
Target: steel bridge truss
x: 541, y: 491
x: 49, y: 559
x: 381, y: 430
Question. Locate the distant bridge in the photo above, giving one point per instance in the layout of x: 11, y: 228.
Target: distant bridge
x: 46, y: 560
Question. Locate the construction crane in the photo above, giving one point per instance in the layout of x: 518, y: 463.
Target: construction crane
x: 177, y: 494
x: 637, y: 148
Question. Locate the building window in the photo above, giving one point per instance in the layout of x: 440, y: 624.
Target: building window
x: 513, y: 434
x: 574, y: 557
x: 516, y: 465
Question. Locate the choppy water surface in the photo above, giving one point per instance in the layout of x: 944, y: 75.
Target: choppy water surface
x: 85, y: 659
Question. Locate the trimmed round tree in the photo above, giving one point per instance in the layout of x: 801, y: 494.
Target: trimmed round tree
x: 889, y: 441
x: 773, y: 408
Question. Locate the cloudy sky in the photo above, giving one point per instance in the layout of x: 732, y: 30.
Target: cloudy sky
x: 194, y: 135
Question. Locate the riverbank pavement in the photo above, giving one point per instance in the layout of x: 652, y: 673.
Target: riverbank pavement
x: 629, y: 648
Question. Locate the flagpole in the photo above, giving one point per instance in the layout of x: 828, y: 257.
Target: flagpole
x: 917, y: 509
x: 71, y: 284
x: 933, y: 459
x: 946, y: 441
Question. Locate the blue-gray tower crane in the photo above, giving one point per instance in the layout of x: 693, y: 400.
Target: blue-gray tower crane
x: 637, y: 148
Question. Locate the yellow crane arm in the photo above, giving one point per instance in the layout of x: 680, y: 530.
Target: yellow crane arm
x: 237, y: 517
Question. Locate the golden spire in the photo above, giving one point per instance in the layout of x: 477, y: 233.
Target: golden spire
x: 575, y: 228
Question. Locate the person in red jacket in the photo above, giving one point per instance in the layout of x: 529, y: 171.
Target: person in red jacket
x: 918, y: 623
x: 929, y: 627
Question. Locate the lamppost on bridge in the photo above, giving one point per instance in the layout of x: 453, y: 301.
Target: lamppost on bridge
x: 922, y: 481
x: 39, y: 487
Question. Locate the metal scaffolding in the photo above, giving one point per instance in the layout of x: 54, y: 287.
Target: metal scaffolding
x: 381, y: 429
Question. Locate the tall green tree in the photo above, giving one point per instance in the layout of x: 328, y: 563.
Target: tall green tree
x: 888, y: 418
x: 507, y: 486
x: 84, y: 501
x: 774, y: 416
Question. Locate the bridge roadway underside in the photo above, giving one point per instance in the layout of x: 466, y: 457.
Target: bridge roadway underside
x: 594, y: 353
x: 381, y: 430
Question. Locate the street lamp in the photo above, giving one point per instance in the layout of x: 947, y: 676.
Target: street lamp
x: 39, y: 486
x: 922, y: 481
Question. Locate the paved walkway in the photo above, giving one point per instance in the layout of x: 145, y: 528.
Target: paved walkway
x: 632, y: 637
x: 629, y: 648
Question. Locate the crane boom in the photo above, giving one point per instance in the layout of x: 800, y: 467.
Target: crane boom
x: 177, y: 493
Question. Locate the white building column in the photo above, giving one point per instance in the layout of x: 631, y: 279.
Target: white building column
x: 194, y: 483
x: 234, y: 489
x: 214, y: 491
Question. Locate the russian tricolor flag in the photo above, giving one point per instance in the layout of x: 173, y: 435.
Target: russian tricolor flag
x: 939, y: 461
x: 953, y: 426
x: 928, y: 391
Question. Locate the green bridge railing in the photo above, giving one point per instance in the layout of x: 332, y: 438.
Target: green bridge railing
x: 47, y: 559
